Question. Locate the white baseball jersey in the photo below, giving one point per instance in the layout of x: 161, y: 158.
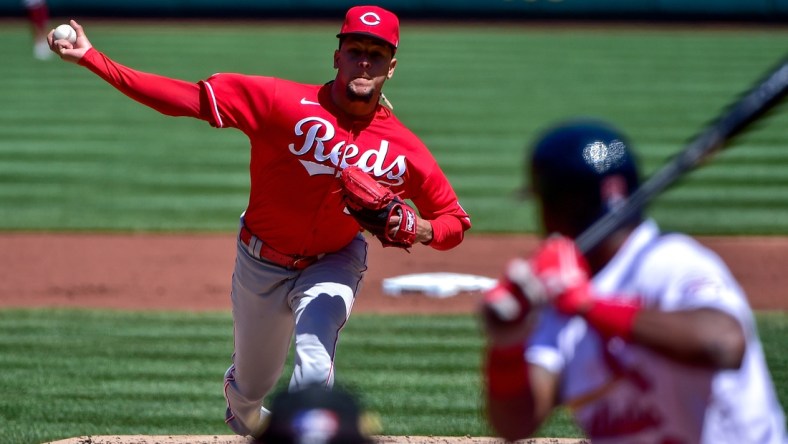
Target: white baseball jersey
x: 622, y: 393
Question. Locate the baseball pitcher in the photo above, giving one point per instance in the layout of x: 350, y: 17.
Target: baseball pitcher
x: 327, y: 161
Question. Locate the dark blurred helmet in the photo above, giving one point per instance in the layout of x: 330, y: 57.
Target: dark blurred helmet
x: 315, y: 415
x: 581, y: 169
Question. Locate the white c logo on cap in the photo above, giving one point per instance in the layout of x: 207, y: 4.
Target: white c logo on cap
x: 374, y: 20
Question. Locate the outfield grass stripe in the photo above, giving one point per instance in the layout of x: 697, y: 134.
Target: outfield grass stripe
x: 108, y: 352
x: 713, y: 196
x: 162, y: 203
x: 200, y: 185
x: 430, y: 397
x: 416, y: 380
x: 384, y: 360
x: 426, y: 338
x: 97, y: 388
x: 762, y: 221
x: 123, y: 154
x: 162, y: 370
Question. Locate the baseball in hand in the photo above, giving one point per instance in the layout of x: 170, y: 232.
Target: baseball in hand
x: 65, y: 32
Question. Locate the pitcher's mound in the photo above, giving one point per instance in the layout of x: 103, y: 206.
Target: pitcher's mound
x: 216, y: 439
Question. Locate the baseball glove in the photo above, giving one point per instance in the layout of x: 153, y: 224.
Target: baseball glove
x: 373, y: 205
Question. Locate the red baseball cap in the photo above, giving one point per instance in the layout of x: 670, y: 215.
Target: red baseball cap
x: 372, y: 21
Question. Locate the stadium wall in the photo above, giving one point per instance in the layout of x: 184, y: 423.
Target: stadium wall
x: 748, y: 10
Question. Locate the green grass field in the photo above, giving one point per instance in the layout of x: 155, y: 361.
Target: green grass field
x: 75, y: 155
x: 66, y: 373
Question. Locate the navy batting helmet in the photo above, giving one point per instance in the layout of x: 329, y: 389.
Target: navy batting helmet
x: 580, y: 169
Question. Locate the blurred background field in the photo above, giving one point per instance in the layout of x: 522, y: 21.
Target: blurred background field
x: 76, y: 155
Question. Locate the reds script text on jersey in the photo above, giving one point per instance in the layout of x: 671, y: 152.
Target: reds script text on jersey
x: 621, y: 393
x: 294, y: 204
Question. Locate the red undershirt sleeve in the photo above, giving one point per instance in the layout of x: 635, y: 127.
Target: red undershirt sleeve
x: 438, y: 203
x: 168, y: 96
x: 448, y: 231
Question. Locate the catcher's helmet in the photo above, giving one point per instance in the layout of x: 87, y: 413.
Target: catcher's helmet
x: 580, y: 169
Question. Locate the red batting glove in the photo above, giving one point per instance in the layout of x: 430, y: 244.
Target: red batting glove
x: 565, y: 275
x: 516, y: 293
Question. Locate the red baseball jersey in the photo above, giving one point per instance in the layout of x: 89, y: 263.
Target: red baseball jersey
x: 299, y: 142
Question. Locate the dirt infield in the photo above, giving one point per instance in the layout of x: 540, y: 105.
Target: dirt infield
x: 212, y: 439
x: 181, y: 272
x: 192, y: 439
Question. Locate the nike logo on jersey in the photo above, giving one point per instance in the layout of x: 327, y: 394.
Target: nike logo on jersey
x: 304, y: 101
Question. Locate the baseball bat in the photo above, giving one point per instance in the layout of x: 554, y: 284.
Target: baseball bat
x: 734, y: 119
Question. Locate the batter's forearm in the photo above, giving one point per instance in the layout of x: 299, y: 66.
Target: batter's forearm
x: 519, y: 396
x: 704, y: 337
x: 168, y: 96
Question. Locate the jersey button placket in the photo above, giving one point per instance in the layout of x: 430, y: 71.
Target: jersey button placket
x: 326, y: 205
